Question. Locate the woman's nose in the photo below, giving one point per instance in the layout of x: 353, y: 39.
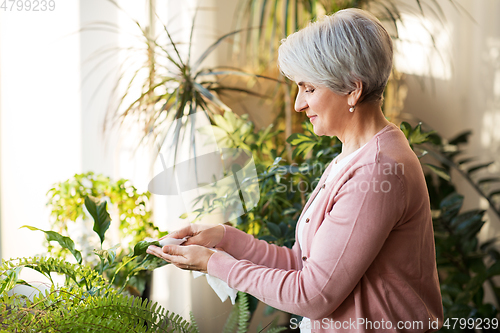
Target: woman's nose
x: 300, y: 103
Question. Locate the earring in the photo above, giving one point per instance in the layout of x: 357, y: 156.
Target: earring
x: 351, y: 109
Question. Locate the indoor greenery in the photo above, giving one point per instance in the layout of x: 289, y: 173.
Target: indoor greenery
x: 89, y: 299
x: 119, y: 268
x: 85, y: 303
x: 68, y: 202
x: 241, y: 314
x: 133, y: 208
x: 169, y: 84
x: 172, y: 90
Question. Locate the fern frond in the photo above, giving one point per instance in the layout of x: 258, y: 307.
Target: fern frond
x: 232, y: 320
x: 87, y: 304
x: 193, y: 322
x: 277, y: 329
x: 61, y: 311
x: 80, y: 274
x: 243, y: 312
x: 238, y: 318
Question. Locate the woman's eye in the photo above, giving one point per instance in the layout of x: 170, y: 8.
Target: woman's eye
x: 309, y: 90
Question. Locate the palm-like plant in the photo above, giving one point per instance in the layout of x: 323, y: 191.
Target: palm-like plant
x: 273, y: 20
x: 168, y: 84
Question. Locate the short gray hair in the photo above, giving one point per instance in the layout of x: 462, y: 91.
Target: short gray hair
x: 339, y: 50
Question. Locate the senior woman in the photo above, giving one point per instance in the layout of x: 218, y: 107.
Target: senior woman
x: 364, y: 257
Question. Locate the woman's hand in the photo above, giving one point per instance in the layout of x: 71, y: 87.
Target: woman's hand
x: 190, y: 257
x: 199, y: 234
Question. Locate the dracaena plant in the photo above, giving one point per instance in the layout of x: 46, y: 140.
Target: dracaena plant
x: 169, y: 84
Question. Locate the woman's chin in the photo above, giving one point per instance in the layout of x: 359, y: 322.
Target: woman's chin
x: 318, y: 131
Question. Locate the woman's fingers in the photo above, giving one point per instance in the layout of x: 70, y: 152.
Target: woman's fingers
x: 181, y: 233
x: 207, y: 235
x: 156, y: 251
x: 175, y: 254
x: 186, y: 257
x: 198, y: 239
x: 199, y: 234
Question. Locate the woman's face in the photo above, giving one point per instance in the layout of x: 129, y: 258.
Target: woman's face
x: 327, y: 111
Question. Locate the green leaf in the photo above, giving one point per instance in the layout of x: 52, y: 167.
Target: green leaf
x: 274, y: 229
x: 11, y: 280
x: 109, y: 255
x: 64, y: 241
x: 268, y: 238
x: 450, y: 206
x: 99, y: 214
x: 435, y: 139
x: 487, y: 310
x: 211, y: 97
x: 460, y: 138
x: 477, y: 265
x: 497, y: 192
x: 152, y: 262
x: 298, y: 138
x: 406, y: 128
x: 461, y: 221
x: 494, y: 269
x: 417, y: 136
x: 466, y: 160
x: 141, y: 247
x: 488, y: 180
x: 472, y: 288
x: 478, y: 167
x: 439, y: 171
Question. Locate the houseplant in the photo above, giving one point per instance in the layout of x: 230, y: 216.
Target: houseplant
x: 88, y: 299
x: 169, y: 85
x: 130, y: 208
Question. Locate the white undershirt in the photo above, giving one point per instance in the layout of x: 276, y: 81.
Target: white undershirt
x: 305, y: 326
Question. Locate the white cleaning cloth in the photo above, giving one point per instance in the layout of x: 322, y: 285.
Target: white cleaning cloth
x: 221, y: 288
x: 172, y: 241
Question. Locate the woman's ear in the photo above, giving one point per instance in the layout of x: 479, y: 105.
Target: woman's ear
x: 354, y: 96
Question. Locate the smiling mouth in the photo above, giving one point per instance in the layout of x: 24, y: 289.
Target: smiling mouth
x: 312, y: 117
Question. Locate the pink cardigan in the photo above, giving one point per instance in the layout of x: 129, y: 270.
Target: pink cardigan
x: 368, y: 258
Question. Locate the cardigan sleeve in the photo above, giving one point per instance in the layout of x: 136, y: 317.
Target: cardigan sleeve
x: 241, y: 246
x: 346, y: 243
